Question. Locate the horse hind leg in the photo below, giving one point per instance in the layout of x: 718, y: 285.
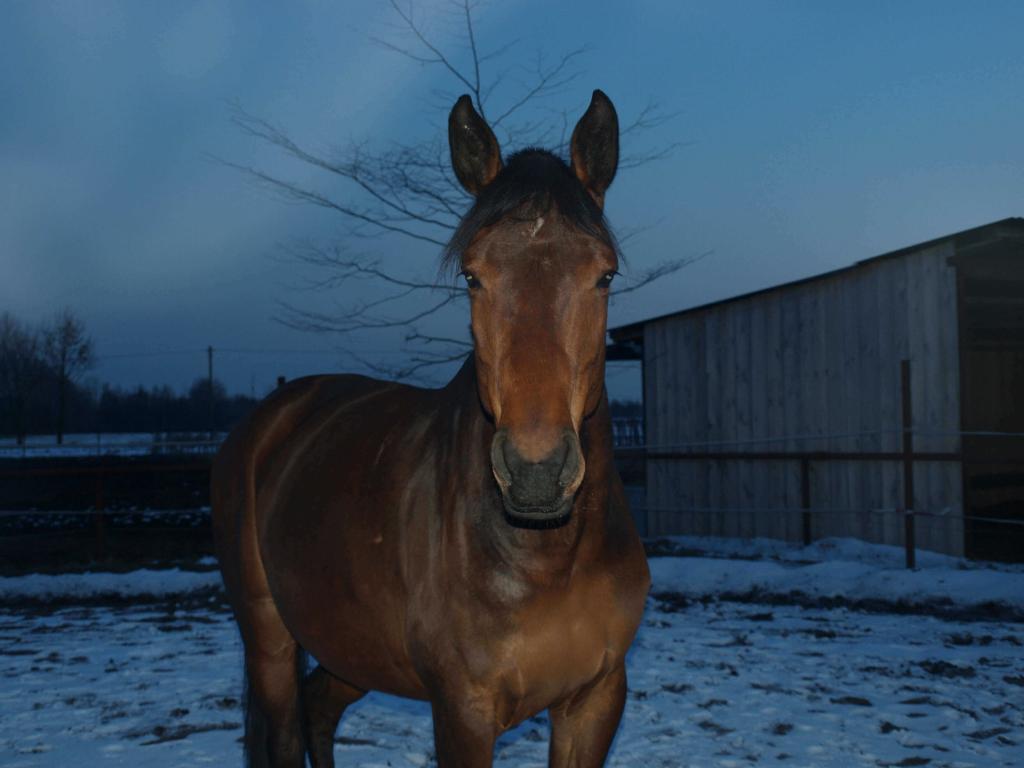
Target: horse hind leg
x: 274, y: 665
x: 274, y: 662
x: 324, y: 699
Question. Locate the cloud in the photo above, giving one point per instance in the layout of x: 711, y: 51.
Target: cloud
x: 197, y: 40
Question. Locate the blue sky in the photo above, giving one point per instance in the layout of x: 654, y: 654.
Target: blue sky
x: 813, y: 135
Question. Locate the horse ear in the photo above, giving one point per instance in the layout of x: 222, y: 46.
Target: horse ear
x: 595, y: 146
x: 476, y: 158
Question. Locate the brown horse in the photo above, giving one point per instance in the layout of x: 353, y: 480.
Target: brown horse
x: 471, y: 545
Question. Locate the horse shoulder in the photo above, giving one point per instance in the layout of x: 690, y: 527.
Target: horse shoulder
x: 624, y: 548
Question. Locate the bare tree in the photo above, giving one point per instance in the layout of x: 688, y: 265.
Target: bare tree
x: 407, y: 189
x: 68, y: 353
x: 21, y: 370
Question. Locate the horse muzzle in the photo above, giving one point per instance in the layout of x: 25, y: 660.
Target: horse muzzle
x: 538, y: 494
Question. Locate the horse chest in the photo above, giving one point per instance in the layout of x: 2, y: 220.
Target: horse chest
x: 561, y: 649
x: 542, y: 649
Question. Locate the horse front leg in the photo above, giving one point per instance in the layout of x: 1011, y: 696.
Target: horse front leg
x: 464, y: 733
x: 582, y: 728
x: 324, y: 698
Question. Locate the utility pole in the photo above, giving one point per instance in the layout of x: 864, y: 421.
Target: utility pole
x: 209, y: 388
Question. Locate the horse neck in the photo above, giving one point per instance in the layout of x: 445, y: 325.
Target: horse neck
x: 476, y: 508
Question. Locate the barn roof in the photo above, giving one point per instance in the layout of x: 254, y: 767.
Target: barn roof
x: 628, y: 338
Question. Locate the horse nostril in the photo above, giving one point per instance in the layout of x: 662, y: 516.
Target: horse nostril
x: 499, y: 461
x: 571, y: 462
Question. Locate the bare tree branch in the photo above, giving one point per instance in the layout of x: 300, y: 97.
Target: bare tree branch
x: 353, y: 319
x: 657, y: 272
x: 418, y: 362
x: 547, y: 80
x: 344, y: 268
x: 414, y: 335
x: 436, y: 55
x: 300, y: 194
x: 475, y: 56
x: 408, y: 189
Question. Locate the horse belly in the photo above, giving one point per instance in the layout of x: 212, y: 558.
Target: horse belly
x: 353, y: 639
x: 369, y: 663
x: 336, y: 585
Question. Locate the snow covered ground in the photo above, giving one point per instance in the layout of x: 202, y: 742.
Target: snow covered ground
x: 761, y: 661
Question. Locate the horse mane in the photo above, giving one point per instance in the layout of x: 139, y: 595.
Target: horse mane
x: 530, y: 183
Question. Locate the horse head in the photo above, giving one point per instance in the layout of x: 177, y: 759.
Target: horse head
x: 538, y: 260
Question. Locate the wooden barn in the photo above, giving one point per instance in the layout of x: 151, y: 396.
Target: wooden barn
x: 780, y: 413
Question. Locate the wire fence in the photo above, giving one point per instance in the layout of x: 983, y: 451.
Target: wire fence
x: 630, y: 440
x: 628, y: 434
x: 158, y: 444
x: 976, y: 450
x: 878, y: 512
x: 621, y: 438
x: 756, y: 450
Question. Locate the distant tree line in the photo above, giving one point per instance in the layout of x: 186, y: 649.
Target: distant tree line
x: 41, y: 392
x: 160, y: 409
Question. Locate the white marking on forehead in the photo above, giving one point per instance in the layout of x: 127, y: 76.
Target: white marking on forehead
x: 536, y: 226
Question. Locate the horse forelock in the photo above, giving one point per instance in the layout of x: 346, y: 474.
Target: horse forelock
x: 533, y: 184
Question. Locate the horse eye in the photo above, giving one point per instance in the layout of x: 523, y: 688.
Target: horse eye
x: 606, y: 279
x: 470, y: 278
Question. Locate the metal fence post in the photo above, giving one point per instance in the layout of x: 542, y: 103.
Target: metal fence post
x: 101, y: 543
x: 908, y: 466
x: 908, y: 536
x: 805, y: 498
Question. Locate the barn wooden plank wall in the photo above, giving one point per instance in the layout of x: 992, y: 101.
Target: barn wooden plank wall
x: 811, y: 366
